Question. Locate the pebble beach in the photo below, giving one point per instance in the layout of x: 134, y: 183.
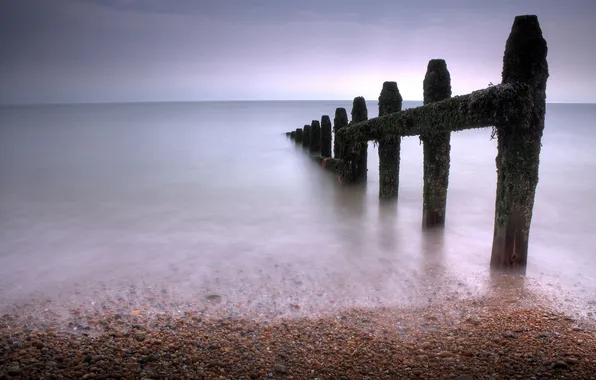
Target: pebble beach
x: 510, y: 333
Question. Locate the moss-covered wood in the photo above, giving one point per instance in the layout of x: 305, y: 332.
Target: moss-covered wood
x: 298, y: 135
x: 306, y: 136
x: 355, y: 152
x: 325, y: 136
x: 332, y: 164
x: 519, y: 143
x: 315, y: 136
x: 482, y: 108
x: 436, y: 147
x: 390, y: 101
x: 340, y: 121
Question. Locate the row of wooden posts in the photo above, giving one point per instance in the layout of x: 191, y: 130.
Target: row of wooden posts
x: 515, y: 109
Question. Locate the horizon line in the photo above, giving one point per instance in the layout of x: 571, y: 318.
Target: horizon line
x: 212, y: 101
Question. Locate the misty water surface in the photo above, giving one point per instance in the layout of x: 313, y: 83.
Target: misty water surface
x: 212, y: 198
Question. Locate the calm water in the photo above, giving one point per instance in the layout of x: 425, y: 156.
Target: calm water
x: 199, y: 198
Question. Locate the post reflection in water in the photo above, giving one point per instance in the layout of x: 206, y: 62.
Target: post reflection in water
x: 389, y: 234
x: 350, y: 209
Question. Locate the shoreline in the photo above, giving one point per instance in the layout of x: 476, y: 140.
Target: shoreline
x: 499, y: 336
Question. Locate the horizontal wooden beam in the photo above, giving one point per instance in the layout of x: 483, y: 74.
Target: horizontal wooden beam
x: 483, y: 108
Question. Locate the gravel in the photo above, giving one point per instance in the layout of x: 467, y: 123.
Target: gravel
x: 489, y: 338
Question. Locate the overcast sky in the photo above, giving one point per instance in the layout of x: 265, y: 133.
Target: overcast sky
x: 153, y: 50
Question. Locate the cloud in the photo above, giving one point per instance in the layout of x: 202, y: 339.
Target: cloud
x: 107, y: 49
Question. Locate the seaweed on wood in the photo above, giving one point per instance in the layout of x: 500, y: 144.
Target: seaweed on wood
x: 436, y: 148
x: 355, y: 152
x: 482, y: 108
x: 519, y: 144
x: 390, y: 101
x: 340, y: 121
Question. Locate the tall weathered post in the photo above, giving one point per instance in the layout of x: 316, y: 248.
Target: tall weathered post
x: 518, y: 146
x: 306, y: 136
x: 436, y: 147
x: 325, y: 136
x: 340, y: 121
x: 298, y: 135
x: 358, y: 166
x: 390, y: 101
x: 315, y: 136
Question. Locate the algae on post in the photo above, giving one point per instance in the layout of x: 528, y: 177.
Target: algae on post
x: 479, y: 109
x: 436, y: 148
x: 340, y: 121
x: 519, y: 143
x: 359, y: 148
x: 390, y: 101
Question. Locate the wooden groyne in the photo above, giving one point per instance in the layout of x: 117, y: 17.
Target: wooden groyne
x: 515, y: 109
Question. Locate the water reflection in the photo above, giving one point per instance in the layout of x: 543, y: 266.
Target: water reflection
x: 257, y: 218
x: 349, y: 207
x: 433, y: 250
x: 511, y: 289
x: 389, y: 234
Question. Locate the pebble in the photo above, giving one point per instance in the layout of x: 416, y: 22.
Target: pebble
x: 306, y: 348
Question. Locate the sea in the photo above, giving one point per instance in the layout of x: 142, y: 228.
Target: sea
x: 130, y: 204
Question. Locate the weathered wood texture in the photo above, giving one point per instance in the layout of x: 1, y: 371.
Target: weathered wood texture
x: 315, y: 136
x: 306, y: 136
x: 390, y: 101
x: 519, y: 143
x: 436, y: 148
x: 354, y: 152
x: 479, y: 109
x: 339, y: 122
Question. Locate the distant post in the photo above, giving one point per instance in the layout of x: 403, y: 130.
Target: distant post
x: 325, y: 136
x: 340, y: 121
x: 298, y: 135
x: 390, y: 101
x: 359, y: 113
x: 315, y: 136
x: 518, y: 146
x: 306, y: 136
x: 436, y: 147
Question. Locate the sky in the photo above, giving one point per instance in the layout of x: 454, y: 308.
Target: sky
x: 63, y: 51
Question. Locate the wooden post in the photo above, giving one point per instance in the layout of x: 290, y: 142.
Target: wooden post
x: 306, y: 136
x: 437, y: 147
x: 298, y: 135
x: 390, y: 101
x: 358, y: 166
x: 325, y: 136
x: 518, y: 146
x: 340, y: 121
x: 292, y: 135
x: 315, y: 136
